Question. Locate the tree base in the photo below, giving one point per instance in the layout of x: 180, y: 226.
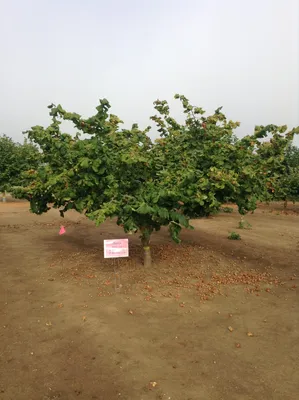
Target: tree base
x: 147, y: 257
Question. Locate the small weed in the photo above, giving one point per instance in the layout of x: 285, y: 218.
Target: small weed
x: 234, y: 236
x: 243, y: 224
x: 227, y: 210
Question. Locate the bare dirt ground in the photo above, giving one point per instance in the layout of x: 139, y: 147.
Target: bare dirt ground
x: 214, y: 319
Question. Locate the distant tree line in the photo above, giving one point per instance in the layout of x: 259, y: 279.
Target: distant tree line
x: 15, y: 161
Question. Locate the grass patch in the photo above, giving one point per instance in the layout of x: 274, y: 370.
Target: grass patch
x: 243, y: 224
x: 234, y: 236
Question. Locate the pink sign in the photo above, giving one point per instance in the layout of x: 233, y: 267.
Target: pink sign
x: 116, y: 248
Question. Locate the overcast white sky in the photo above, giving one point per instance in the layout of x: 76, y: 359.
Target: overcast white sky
x: 243, y: 55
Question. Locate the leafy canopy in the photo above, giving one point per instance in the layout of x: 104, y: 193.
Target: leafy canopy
x: 188, y: 172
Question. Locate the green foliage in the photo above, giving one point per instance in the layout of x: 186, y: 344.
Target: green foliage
x: 281, y: 167
x: 194, y: 157
x: 292, y: 156
x: 190, y: 171
x: 263, y: 161
x: 15, y: 160
x: 204, y: 160
x: 287, y: 184
x: 111, y: 173
x: 234, y: 236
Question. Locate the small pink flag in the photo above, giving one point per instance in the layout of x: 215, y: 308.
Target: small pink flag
x: 62, y: 230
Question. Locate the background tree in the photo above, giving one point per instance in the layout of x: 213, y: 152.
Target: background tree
x: 204, y: 161
x: 290, y: 179
x: 292, y: 156
x: 280, y: 165
x: 15, y: 160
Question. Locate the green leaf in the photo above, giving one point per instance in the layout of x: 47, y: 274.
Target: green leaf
x: 84, y: 162
x: 174, y: 230
x: 144, y: 209
x: 163, y: 213
x: 180, y: 218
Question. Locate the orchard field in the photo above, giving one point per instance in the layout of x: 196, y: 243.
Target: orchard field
x: 190, y: 315
x: 212, y: 319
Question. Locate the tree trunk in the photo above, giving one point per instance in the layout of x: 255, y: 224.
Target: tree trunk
x: 147, y: 262
x: 145, y: 240
x: 4, y: 197
x: 285, y: 204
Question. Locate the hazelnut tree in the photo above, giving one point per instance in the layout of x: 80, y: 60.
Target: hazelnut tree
x: 112, y: 172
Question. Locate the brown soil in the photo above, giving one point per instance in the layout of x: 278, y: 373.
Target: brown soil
x: 213, y: 319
